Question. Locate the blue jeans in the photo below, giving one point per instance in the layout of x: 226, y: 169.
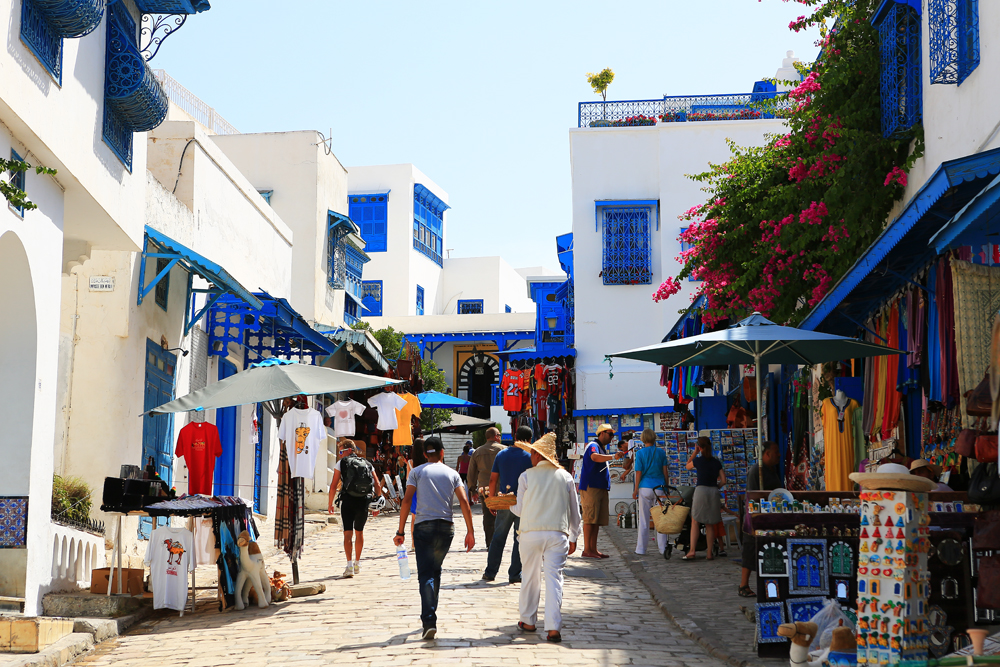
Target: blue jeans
x: 504, y: 521
x: 431, y: 541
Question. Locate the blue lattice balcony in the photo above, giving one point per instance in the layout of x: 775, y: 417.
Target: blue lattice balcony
x: 71, y: 18
x: 764, y: 104
x: 172, y: 6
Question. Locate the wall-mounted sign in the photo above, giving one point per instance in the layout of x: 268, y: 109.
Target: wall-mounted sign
x: 102, y: 283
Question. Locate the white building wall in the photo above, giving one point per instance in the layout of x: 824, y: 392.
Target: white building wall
x: 637, y: 163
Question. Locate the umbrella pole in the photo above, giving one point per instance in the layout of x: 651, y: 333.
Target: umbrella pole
x: 760, y: 423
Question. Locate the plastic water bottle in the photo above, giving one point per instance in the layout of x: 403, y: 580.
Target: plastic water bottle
x: 404, y: 563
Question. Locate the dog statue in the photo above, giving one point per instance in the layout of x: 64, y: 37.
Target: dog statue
x: 252, y: 574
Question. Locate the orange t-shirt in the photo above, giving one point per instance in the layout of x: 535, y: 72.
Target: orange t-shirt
x: 403, y: 435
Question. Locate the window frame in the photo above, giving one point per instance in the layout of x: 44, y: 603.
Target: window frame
x: 901, y: 89
x: 954, y: 40
x: 637, y: 258
x: 19, y: 180
x: 54, y: 66
x: 428, y: 233
x: 357, y: 205
x: 370, y: 285
x: 161, y: 293
x: 471, y: 304
x: 420, y: 300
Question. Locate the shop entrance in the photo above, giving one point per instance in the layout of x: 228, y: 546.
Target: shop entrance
x: 157, y: 430
x: 479, y: 373
x: 225, y: 421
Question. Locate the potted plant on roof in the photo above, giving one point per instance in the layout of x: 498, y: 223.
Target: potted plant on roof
x: 600, y: 82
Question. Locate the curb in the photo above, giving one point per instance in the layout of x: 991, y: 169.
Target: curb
x: 660, y: 597
x: 66, y: 649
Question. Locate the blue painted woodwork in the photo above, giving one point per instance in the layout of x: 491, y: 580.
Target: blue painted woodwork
x: 225, y: 421
x: 420, y: 300
x: 954, y: 39
x: 506, y: 309
x: 162, y: 293
x: 173, y: 6
x: 71, y: 18
x: 429, y: 200
x: 369, y: 212
x: 350, y: 312
x: 266, y: 194
x: 258, y: 458
x: 496, y: 395
x: 17, y: 179
x: 898, y: 25
x: 428, y: 223
x: 626, y: 245
x: 339, y: 226
x: 762, y: 103
x: 470, y: 306
x: 41, y: 39
x: 803, y: 609
x: 769, y: 616
x: 371, y: 298
x: 907, y: 243
x: 157, y: 430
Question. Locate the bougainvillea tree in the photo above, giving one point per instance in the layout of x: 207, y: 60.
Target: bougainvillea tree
x: 784, y: 221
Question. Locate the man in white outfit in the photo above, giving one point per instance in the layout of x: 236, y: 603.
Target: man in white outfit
x: 549, y: 508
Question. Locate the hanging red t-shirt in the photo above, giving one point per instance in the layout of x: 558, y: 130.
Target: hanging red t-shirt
x: 199, y: 444
x: 511, y: 386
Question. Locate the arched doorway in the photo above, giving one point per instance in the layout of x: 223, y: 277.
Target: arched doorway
x: 477, y: 375
x: 18, y: 353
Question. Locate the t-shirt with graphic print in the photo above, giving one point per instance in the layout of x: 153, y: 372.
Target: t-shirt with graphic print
x: 199, y: 444
x: 343, y: 414
x: 303, y: 432
x: 170, y: 556
x: 511, y: 386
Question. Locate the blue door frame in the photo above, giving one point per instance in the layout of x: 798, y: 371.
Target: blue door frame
x: 157, y: 431
x: 258, y: 457
x: 225, y: 421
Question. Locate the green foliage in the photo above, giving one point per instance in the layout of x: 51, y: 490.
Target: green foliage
x: 600, y: 82
x: 15, y: 196
x: 783, y: 222
x: 70, y: 498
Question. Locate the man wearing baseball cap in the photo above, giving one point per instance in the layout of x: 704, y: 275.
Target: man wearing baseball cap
x: 595, y: 484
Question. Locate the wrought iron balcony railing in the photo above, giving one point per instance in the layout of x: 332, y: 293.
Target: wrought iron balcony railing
x: 685, y: 108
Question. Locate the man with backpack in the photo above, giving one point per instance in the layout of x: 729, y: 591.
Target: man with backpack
x: 359, y: 488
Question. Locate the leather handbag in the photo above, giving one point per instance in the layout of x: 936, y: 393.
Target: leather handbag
x: 984, y: 487
x: 965, y: 444
x: 979, y: 401
x: 750, y: 389
x: 986, y: 530
x: 988, y: 587
x: 986, y: 448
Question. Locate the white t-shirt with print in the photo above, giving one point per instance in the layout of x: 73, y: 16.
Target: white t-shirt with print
x: 170, y: 556
x: 303, y: 432
x: 343, y: 413
x: 387, y: 403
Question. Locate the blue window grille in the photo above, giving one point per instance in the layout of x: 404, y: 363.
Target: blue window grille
x: 355, y: 265
x: 506, y: 309
x: 266, y: 194
x: 41, y: 38
x: 626, y: 244
x: 898, y: 25
x: 350, y: 312
x: 954, y: 39
x: 470, y: 306
x: 345, y: 261
x: 369, y: 212
x: 162, y: 292
x: 428, y: 223
x: 420, y: 300
x: 17, y: 179
x: 371, y: 298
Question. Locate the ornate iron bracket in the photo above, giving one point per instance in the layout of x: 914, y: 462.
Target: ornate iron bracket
x: 155, y: 29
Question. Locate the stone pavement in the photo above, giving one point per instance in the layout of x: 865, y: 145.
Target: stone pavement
x: 373, y: 619
x: 700, y: 597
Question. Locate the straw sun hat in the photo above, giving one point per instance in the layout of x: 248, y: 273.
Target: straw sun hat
x: 893, y: 476
x: 545, y: 446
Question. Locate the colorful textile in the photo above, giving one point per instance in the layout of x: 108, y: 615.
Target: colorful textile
x: 839, y: 443
x: 976, y: 302
x: 890, y: 413
x: 946, y: 330
x: 283, y: 505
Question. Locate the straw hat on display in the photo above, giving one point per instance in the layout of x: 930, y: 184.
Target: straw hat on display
x: 893, y: 476
x: 544, y: 446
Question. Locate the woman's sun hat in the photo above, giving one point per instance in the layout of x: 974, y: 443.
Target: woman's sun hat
x: 893, y: 476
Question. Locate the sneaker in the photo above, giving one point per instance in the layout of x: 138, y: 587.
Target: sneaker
x: 487, y: 577
x: 357, y: 567
x: 429, y: 633
x: 349, y: 572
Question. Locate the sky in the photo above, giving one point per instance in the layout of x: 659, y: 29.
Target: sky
x: 479, y: 96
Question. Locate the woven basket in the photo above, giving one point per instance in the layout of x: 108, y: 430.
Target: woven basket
x: 669, y: 519
x: 497, y: 503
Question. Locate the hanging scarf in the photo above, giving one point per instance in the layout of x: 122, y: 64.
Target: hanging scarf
x: 283, y: 507
x: 880, y: 382
x: 933, y: 339
x: 294, y: 547
x: 890, y: 415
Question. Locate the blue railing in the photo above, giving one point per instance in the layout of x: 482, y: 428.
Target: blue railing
x: 684, y: 108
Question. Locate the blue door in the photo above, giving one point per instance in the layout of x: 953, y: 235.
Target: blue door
x: 157, y: 431
x: 258, y: 455
x: 225, y: 421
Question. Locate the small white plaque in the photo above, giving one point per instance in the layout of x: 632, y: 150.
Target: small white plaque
x: 102, y: 283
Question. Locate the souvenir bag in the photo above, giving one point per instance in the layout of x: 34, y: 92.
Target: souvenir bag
x: 984, y: 487
x: 979, y: 401
x: 988, y: 588
x: 986, y: 530
x: 965, y: 444
x: 986, y: 448
x: 669, y: 518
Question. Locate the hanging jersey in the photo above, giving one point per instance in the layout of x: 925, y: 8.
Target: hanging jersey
x: 540, y: 377
x: 512, y: 386
x: 553, y: 377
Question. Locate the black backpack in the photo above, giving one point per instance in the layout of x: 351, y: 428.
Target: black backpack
x: 357, y: 477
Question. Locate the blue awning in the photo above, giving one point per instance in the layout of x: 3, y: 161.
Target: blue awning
x: 699, y: 303
x: 911, y: 241
x: 357, y: 338
x: 522, y: 353
x: 424, y: 196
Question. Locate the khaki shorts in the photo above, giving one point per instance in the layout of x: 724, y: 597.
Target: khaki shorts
x: 594, y: 506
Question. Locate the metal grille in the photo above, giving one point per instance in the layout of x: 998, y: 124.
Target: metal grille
x: 199, y: 359
x: 338, y: 256
x: 685, y: 108
x: 626, y: 246
x: 193, y: 105
x: 72, y: 18
x: 41, y: 39
x: 470, y: 307
x: 130, y: 87
x: 954, y: 39
x: 899, y: 37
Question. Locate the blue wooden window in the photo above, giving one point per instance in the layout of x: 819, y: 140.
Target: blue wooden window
x: 954, y: 39
x: 369, y: 212
x: 898, y: 25
x: 163, y: 287
x: 626, y: 245
x: 41, y: 39
x: 420, y: 300
x: 371, y: 298
x: 157, y: 436
x: 266, y: 194
x: 428, y: 232
x: 506, y: 309
x: 17, y: 179
x: 470, y: 306
x: 350, y: 311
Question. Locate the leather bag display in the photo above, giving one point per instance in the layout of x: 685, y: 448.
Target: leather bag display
x: 984, y: 487
x: 979, y: 401
x: 965, y: 444
x: 986, y: 530
x: 988, y: 588
x: 986, y: 448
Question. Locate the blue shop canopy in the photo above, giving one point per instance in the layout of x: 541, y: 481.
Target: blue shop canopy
x: 176, y: 253
x: 954, y: 207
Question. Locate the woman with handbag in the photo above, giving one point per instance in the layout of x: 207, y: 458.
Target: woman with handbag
x: 650, y: 472
x: 706, y: 507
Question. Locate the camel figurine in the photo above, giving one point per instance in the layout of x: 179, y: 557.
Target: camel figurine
x: 801, y: 633
x: 252, y: 574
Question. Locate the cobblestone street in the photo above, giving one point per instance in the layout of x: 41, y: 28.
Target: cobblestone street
x: 373, y: 619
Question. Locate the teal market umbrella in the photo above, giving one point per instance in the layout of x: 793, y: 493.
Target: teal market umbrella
x: 272, y: 381
x: 759, y: 341
x: 436, y: 399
